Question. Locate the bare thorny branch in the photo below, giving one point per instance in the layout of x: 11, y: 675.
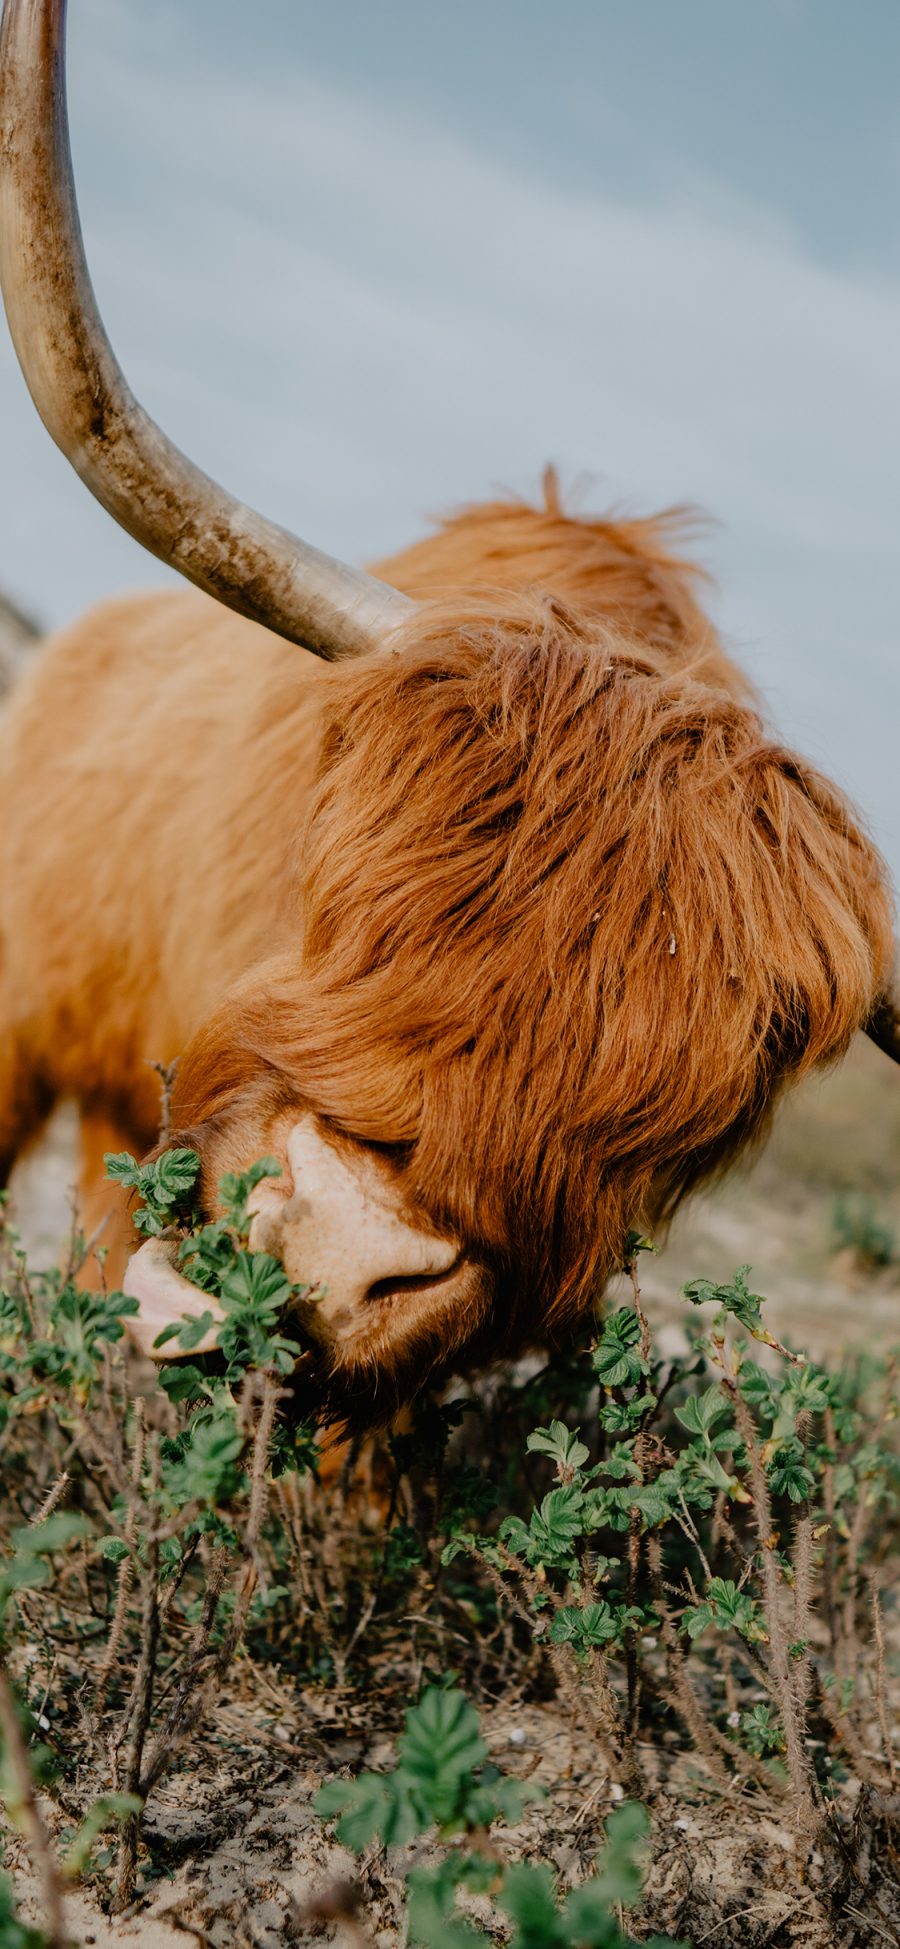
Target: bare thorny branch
x: 792, y: 1715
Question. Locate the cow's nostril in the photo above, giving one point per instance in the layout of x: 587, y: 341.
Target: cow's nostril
x: 398, y: 1284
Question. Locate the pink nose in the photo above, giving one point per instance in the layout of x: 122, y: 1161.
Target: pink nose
x: 343, y: 1224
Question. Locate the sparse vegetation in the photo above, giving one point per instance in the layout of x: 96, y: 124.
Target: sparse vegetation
x: 859, y: 1229
x: 440, y: 1784
x: 687, y: 1558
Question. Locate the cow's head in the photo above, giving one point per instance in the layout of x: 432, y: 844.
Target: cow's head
x: 566, y: 920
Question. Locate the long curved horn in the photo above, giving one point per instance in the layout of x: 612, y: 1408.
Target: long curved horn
x: 884, y: 1022
x: 149, y: 487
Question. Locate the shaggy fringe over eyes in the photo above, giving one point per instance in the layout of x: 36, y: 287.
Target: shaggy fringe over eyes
x: 569, y: 921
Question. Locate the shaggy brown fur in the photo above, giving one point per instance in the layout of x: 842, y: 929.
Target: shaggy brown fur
x: 622, y: 571
x: 648, y: 915
x: 536, y: 902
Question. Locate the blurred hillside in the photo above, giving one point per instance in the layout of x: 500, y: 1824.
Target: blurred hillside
x: 810, y: 1214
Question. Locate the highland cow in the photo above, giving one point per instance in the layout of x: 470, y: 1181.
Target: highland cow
x: 502, y: 935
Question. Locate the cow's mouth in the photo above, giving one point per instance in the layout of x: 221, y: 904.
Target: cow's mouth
x: 384, y: 1291
x: 357, y: 1366
x: 166, y: 1299
x: 390, y: 1306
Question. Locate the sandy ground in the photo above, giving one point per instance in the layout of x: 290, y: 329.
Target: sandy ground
x: 239, y: 1860
x: 836, y: 1139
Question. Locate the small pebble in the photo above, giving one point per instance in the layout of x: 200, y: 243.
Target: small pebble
x: 518, y: 1736
x: 616, y: 1792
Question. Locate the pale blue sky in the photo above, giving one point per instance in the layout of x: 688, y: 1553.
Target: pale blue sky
x: 367, y: 261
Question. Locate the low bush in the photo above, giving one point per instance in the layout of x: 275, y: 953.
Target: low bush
x: 692, y: 1550
x: 440, y: 1784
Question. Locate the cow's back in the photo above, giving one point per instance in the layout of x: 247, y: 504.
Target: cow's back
x: 154, y: 769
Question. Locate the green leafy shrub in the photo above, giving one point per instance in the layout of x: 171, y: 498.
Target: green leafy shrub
x: 180, y: 1477
x: 441, y: 1782
x: 690, y: 1548
x: 716, y: 1505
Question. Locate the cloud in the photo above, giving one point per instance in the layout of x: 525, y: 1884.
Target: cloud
x: 353, y: 319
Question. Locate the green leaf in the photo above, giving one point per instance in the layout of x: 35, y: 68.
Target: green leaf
x: 235, y: 1188
x: 620, y: 1463
x: 528, y: 1896
x: 15, y: 1934
x: 757, y: 1387
x: 726, y: 1608
x: 553, y: 1528
x: 28, y: 1568
x: 592, y: 1625
x: 175, y: 1172
x: 788, y: 1474
x: 656, y: 1501
x: 188, y: 1331
x: 108, y: 1811
x: 431, y: 1895
x: 121, y: 1167
x: 203, y: 1467
x: 468, y: 1495
x: 402, y: 1551
x: 113, y: 1549
x: 615, y: 1360
x: 257, y: 1282
x: 635, y: 1243
x: 734, y: 1298
x: 56, y: 1532
x: 623, y: 1417
x: 163, y: 1185
x: 761, y: 1732
x: 440, y: 1747
x: 622, y: 1866
x: 700, y: 1412
x: 368, y: 1808
x: 206, y: 1255
x: 80, y: 1326
x: 561, y: 1443
x: 183, y: 1382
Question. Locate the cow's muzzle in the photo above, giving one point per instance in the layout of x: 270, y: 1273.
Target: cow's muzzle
x: 342, y: 1226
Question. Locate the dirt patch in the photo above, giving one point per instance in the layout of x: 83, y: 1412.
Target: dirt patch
x: 237, y: 1858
